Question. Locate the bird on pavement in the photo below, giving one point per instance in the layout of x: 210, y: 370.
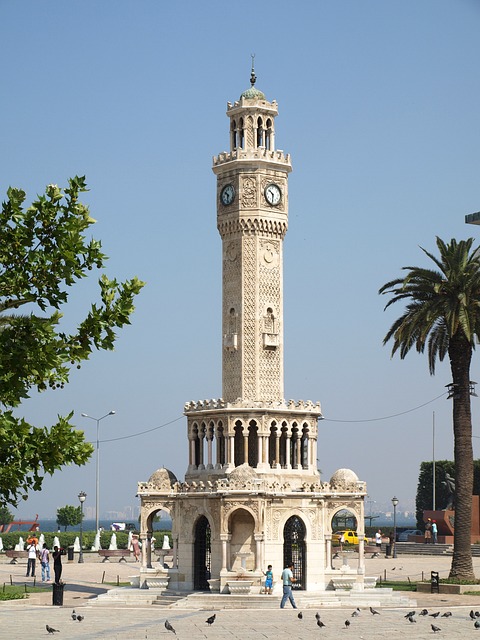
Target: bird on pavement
x: 477, y: 614
x: 320, y: 623
x: 472, y: 615
x: 80, y: 618
x: 434, y: 615
x: 169, y: 627
x: 447, y: 614
x: 476, y: 624
x: 347, y: 624
x: 211, y: 619
x: 374, y: 612
x: 356, y: 613
x: 74, y: 615
x: 51, y: 629
x: 317, y: 616
x: 435, y: 629
x: 410, y: 614
x: 424, y: 612
x: 412, y: 619
x: 300, y: 616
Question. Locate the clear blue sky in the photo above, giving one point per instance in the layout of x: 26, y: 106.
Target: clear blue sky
x: 379, y: 108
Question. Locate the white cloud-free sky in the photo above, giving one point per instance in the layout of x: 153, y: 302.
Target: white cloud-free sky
x: 378, y: 107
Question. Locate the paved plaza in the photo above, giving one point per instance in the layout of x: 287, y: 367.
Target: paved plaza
x: 28, y: 618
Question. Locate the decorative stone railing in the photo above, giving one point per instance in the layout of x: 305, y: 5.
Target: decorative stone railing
x: 280, y: 405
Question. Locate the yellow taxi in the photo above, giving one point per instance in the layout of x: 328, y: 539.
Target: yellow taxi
x: 349, y: 536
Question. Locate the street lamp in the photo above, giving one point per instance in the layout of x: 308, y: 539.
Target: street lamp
x: 97, y: 474
x: 81, y: 496
x: 394, y: 502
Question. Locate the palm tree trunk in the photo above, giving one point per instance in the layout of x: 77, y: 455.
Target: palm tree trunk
x: 460, y: 353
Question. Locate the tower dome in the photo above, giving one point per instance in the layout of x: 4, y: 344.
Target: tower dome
x: 162, y: 478
x: 343, y: 479
x: 252, y: 93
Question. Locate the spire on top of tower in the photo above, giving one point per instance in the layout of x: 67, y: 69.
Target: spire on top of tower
x: 253, y: 93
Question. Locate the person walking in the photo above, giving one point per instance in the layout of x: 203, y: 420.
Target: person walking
x: 45, y: 562
x: 434, y: 532
x: 57, y: 563
x: 136, y: 547
x: 287, y: 580
x: 32, y: 557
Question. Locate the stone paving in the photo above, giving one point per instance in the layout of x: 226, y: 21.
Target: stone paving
x: 28, y: 618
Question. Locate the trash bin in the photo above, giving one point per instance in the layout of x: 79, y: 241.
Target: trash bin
x: 435, y: 582
x: 70, y: 552
x: 57, y: 595
x: 388, y: 551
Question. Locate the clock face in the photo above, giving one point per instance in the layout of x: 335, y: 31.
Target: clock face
x: 273, y: 195
x: 227, y: 195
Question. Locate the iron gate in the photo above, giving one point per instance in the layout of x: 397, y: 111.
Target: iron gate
x: 295, y: 550
x: 202, y: 555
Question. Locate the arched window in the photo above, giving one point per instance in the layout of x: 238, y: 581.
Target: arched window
x: 259, y: 132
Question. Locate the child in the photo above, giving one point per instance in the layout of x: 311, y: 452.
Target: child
x: 268, y: 580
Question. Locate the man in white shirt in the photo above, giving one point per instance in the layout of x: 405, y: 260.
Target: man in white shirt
x: 287, y: 580
x: 32, y: 557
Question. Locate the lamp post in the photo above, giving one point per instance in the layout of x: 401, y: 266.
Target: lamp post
x: 97, y: 472
x: 394, y: 502
x: 81, y: 496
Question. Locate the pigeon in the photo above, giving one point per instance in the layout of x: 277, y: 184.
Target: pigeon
x: 80, y: 618
x: 317, y: 616
x: 410, y: 614
x: 477, y: 614
x: 424, y: 612
x: 434, y: 615
x: 74, y: 615
x: 211, y: 620
x: 476, y: 624
x: 169, y: 627
x: 472, y: 615
x: 320, y: 623
x: 347, y: 624
x: 447, y: 614
x: 51, y: 629
x: 435, y: 629
x: 356, y: 613
x: 411, y: 619
x: 374, y: 612
x: 300, y: 616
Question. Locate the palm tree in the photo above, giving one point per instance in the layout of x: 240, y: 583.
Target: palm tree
x: 443, y: 313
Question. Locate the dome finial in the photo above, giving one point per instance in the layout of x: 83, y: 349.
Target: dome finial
x: 253, y: 77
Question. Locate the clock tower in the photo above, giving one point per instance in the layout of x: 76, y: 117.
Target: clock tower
x: 252, y: 492
x: 252, y: 219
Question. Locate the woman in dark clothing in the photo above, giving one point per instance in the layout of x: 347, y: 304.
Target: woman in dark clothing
x: 57, y: 563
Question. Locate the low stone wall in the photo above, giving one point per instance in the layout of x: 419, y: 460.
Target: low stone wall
x: 426, y: 587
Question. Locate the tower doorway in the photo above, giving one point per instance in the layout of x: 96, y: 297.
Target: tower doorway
x: 202, y: 555
x: 295, y: 550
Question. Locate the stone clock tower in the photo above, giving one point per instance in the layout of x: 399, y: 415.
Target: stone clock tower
x: 252, y: 494
x: 252, y: 218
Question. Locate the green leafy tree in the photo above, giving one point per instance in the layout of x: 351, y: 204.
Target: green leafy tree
x: 43, y: 253
x: 5, y: 516
x: 69, y: 516
x: 443, y: 314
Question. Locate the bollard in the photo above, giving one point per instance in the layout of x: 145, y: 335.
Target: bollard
x: 57, y: 594
x: 435, y: 582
